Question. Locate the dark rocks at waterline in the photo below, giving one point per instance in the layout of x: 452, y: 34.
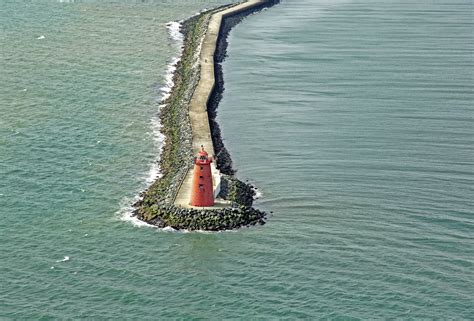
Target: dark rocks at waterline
x: 204, y: 219
x: 240, y: 214
x: 236, y: 191
x: 224, y: 160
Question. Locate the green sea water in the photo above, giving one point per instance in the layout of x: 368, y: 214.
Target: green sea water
x: 355, y: 119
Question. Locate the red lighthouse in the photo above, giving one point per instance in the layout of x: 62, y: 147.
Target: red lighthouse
x: 202, y: 194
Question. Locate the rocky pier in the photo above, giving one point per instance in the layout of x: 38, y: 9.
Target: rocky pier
x: 188, y: 121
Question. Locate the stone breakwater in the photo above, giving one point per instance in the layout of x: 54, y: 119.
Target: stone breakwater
x: 156, y: 203
x: 224, y: 161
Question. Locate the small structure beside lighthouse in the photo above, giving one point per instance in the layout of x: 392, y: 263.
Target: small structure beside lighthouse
x: 202, y: 194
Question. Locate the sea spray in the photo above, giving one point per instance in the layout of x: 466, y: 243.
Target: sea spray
x: 126, y: 206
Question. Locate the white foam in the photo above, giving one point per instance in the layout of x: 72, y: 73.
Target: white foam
x: 174, y: 29
x: 169, y: 229
x: 126, y: 209
x: 169, y: 83
x: 41, y: 37
x: 126, y: 212
x: 159, y: 141
x: 66, y: 258
x: 257, y: 195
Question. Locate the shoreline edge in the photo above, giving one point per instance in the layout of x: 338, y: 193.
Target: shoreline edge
x: 199, y: 83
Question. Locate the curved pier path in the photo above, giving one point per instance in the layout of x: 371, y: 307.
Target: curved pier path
x: 198, y: 105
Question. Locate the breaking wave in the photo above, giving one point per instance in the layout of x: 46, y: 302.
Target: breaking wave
x: 126, y: 209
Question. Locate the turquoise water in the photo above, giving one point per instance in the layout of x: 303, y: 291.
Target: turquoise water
x: 354, y: 118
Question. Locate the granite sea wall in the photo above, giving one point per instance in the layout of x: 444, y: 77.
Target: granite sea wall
x: 156, y: 203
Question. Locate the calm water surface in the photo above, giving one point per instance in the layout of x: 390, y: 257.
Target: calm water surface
x: 354, y: 118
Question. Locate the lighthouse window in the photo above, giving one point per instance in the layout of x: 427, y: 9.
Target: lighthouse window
x: 201, y: 168
x: 200, y: 176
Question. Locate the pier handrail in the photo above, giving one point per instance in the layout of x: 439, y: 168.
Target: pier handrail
x: 181, y: 183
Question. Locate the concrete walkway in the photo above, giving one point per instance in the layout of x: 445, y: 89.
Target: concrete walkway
x: 198, y: 104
